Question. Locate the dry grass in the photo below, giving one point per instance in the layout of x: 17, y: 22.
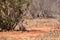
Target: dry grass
x: 35, y: 32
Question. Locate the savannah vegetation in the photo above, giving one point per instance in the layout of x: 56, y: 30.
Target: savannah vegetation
x: 11, y: 13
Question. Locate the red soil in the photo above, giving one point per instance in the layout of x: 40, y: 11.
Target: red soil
x: 34, y: 31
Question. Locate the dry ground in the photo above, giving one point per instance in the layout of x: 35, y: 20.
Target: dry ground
x: 32, y: 33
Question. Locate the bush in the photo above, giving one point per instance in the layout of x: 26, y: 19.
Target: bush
x: 10, y: 13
